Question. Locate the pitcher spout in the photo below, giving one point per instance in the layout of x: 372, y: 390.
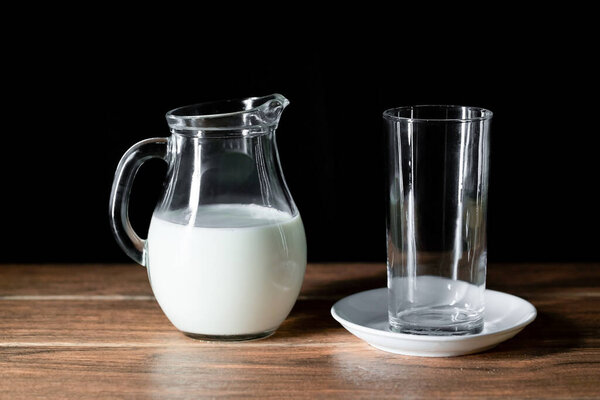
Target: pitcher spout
x: 272, y: 107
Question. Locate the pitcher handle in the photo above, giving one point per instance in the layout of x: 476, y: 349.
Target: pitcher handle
x: 132, y: 160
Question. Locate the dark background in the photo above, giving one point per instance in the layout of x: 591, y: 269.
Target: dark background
x: 76, y: 109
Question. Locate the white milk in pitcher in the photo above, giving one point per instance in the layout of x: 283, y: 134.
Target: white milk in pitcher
x: 238, y: 270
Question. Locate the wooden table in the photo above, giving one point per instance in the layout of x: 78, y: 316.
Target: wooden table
x: 95, y: 331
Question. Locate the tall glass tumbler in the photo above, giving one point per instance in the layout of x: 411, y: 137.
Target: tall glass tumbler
x: 437, y: 168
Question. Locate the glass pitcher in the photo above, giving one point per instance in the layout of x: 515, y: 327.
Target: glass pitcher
x: 226, y: 249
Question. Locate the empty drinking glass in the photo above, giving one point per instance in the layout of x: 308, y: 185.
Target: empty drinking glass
x: 437, y: 159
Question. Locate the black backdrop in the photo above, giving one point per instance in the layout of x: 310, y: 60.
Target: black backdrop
x: 77, y: 112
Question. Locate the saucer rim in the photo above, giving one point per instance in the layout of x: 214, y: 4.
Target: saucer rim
x: 433, y: 338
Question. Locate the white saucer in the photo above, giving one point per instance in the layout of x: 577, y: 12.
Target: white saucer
x: 365, y: 315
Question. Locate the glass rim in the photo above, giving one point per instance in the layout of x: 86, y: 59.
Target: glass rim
x: 483, y: 113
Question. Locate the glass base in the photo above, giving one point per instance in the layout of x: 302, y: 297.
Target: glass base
x: 437, y: 321
x: 229, y: 338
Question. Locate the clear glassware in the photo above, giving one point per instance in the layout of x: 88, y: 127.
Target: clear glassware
x: 438, y: 159
x: 226, y: 248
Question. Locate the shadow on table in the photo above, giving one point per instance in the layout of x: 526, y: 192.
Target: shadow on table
x: 308, y: 318
x: 311, y: 314
x: 341, y: 288
x: 548, y: 334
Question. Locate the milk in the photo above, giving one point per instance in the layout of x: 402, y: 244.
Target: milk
x: 237, y: 270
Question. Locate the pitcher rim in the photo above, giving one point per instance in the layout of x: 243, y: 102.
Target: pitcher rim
x: 248, y: 112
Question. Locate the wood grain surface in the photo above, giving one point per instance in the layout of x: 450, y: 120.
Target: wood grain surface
x: 95, y: 331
